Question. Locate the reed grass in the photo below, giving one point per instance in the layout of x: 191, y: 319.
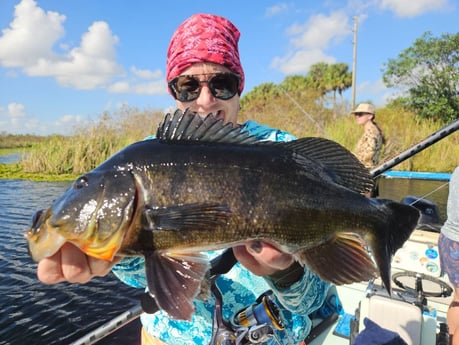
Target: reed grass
x: 90, y: 145
x: 402, y: 130
x: 94, y: 143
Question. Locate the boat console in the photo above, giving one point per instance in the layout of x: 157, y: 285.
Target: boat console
x: 420, y: 298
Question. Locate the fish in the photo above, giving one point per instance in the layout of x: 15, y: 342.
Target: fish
x: 202, y: 184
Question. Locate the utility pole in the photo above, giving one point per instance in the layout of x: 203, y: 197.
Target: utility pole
x: 354, y: 63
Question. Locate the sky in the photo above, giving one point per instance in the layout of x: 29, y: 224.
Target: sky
x: 64, y: 63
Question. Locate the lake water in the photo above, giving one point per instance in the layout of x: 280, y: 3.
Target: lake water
x: 10, y: 158
x: 34, y: 313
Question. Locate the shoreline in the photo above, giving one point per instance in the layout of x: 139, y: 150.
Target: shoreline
x: 15, y: 172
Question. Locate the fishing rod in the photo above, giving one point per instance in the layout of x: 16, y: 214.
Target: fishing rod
x: 430, y: 140
x: 109, y: 327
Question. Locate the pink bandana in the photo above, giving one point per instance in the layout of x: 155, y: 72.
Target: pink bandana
x: 204, y: 38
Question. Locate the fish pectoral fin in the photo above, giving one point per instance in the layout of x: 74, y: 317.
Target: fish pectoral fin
x: 194, y: 216
x: 341, y: 260
x: 174, y: 280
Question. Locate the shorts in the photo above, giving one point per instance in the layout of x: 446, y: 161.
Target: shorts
x: 449, y: 258
x: 148, y: 339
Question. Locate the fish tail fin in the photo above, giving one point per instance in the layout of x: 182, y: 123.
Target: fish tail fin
x: 386, y: 240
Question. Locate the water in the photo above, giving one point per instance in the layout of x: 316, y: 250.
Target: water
x: 433, y: 190
x: 10, y: 158
x: 34, y: 313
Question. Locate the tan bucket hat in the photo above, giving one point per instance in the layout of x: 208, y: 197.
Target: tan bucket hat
x: 364, y: 108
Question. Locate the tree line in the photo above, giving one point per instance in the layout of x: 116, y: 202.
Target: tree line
x: 425, y: 77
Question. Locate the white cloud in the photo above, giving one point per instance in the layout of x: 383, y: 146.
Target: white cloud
x: 155, y: 87
x: 31, y: 35
x: 276, y: 9
x: 28, y: 44
x: 404, y: 8
x: 374, y: 91
x: 15, y: 119
x: 146, y: 74
x: 301, y: 60
x: 310, y: 40
x: 12, y: 116
x: 16, y: 110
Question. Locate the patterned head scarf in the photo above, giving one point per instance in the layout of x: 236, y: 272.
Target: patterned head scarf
x: 204, y: 38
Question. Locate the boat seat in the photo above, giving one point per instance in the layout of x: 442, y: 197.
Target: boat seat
x: 396, y: 315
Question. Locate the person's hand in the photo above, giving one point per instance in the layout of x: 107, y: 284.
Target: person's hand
x: 72, y: 265
x: 262, y: 259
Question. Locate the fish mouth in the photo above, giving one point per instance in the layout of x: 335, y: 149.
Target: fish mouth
x: 99, y: 238
x: 43, y: 240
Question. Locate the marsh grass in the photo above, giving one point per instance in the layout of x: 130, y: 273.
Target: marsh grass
x: 67, y: 157
x: 90, y: 145
x: 403, y: 131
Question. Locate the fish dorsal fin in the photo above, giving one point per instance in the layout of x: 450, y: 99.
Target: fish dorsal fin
x: 338, y: 162
x: 189, y: 126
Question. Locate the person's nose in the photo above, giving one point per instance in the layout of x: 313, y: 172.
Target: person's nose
x: 205, y: 96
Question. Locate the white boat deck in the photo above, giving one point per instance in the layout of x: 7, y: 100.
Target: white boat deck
x: 412, y: 257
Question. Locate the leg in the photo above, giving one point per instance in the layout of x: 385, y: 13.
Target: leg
x: 449, y: 261
x: 453, y: 318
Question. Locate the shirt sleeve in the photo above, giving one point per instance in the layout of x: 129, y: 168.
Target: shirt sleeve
x: 451, y: 226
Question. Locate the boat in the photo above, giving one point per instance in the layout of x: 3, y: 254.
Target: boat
x: 421, y: 293
x: 415, y: 315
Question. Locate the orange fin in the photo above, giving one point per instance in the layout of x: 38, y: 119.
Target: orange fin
x: 174, y: 280
x: 341, y: 260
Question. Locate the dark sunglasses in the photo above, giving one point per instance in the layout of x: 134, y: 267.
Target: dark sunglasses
x: 361, y: 114
x: 186, y: 88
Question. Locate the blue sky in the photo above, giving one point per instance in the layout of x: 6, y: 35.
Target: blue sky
x: 66, y: 62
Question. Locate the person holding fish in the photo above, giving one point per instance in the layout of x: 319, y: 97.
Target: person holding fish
x: 204, y: 73
x: 292, y: 210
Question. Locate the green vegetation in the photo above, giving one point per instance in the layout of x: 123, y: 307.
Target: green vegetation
x: 64, y: 158
x: 15, y: 142
x: 428, y: 75
x: 305, y: 105
x: 402, y: 130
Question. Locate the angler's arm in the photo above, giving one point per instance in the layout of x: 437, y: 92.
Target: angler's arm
x: 303, y: 296
x: 297, y: 288
x: 131, y: 271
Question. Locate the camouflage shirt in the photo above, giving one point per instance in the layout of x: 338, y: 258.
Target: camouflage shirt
x: 368, y: 149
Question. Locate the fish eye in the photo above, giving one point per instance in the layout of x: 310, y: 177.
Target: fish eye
x: 81, y: 182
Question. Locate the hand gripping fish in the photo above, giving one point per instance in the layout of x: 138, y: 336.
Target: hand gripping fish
x: 204, y: 185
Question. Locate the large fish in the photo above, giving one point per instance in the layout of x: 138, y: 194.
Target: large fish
x: 203, y: 185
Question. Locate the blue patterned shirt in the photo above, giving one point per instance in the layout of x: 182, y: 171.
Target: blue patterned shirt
x: 239, y: 288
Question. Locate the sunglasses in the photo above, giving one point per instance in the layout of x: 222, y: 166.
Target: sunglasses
x: 362, y: 114
x: 186, y: 88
